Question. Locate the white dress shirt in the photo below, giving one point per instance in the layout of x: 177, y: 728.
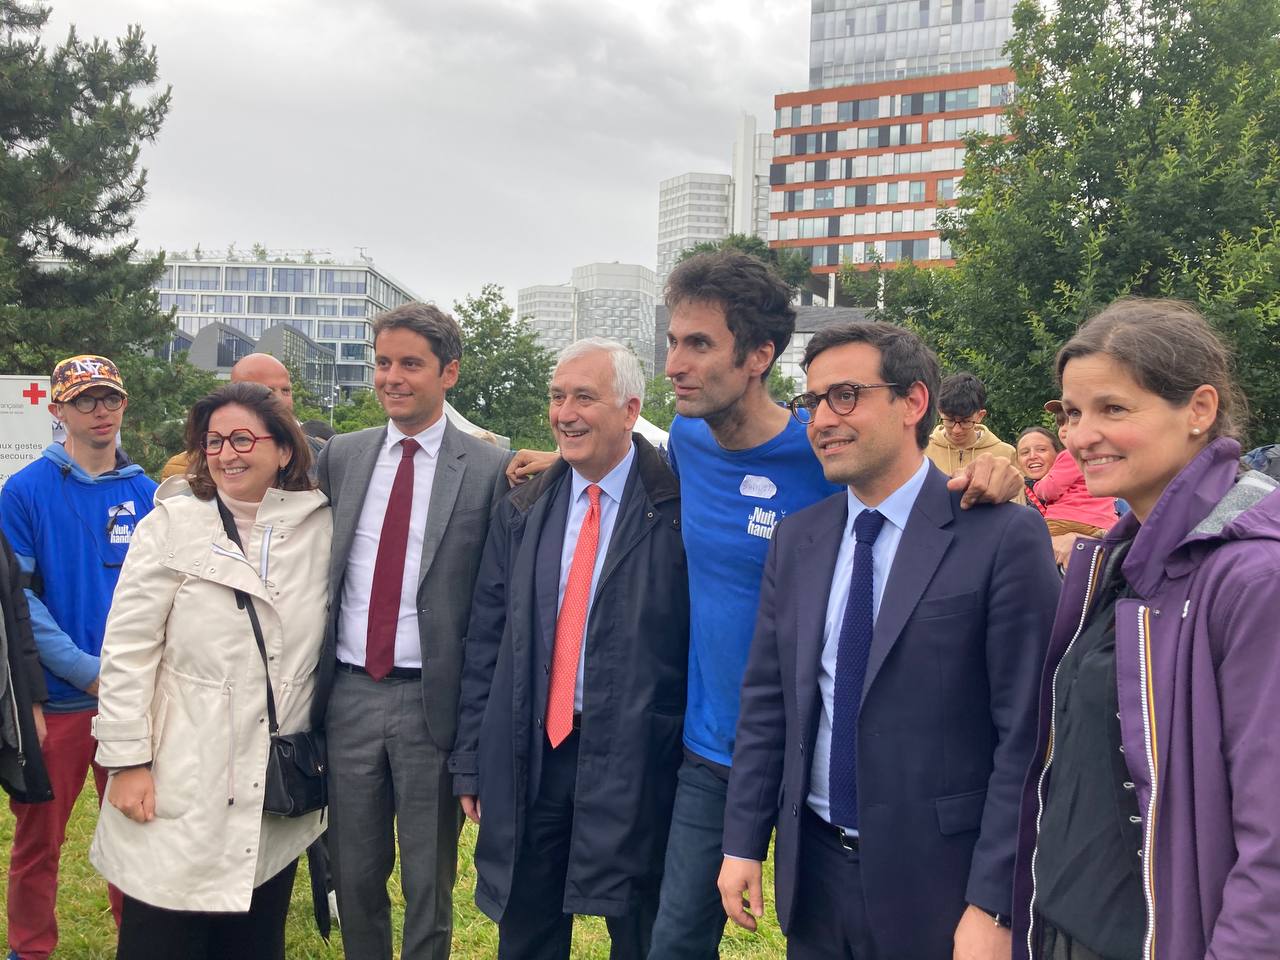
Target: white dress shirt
x: 896, y: 510
x: 357, y: 585
x: 611, y: 488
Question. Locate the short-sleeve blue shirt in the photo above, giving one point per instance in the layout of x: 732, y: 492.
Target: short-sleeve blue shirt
x: 731, y: 500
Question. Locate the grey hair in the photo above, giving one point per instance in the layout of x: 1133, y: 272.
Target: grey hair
x: 628, y: 376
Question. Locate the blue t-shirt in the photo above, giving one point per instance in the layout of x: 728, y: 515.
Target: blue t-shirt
x: 730, y: 502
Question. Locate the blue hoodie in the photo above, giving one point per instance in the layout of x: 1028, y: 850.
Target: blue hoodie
x: 71, y: 530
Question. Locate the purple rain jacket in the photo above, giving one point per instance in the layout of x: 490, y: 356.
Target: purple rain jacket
x: 1198, y: 677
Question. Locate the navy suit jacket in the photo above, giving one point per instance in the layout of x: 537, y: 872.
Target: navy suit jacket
x: 947, y: 721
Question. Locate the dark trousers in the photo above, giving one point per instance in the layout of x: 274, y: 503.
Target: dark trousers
x: 830, y: 920
x: 153, y: 933
x: 1059, y: 946
x: 534, y: 925
x: 690, y: 914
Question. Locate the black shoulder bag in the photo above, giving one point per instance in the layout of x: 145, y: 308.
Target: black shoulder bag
x: 295, y: 781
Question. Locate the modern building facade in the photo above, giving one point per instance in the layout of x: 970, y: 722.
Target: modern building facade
x: 809, y: 320
x: 332, y: 304
x: 614, y: 300
x: 693, y: 208
x: 219, y: 346
x: 855, y: 42
x: 549, y: 310
x: 752, y: 157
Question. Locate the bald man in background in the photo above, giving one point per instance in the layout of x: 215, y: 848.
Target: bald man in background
x: 255, y: 368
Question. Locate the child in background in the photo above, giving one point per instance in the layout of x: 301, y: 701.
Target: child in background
x: 1069, y: 507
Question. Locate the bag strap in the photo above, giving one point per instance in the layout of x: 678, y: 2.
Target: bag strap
x: 245, y: 602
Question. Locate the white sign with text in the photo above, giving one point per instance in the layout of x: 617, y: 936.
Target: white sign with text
x: 26, y: 426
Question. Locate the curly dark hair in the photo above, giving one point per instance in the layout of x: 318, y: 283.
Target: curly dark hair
x: 278, y: 420
x: 756, y: 301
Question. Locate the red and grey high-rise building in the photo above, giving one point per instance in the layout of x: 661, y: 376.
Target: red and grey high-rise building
x: 866, y: 158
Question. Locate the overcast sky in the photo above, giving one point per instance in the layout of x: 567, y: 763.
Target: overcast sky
x: 458, y: 141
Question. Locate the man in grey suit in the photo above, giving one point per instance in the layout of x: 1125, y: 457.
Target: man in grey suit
x: 411, y: 504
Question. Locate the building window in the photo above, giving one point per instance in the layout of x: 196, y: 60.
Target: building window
x: 354, y: 308
x: 165, y: 280
x: 246, y: 278
x: 185, y: 302
x: 915, y: 191
x: 824, y: 198
x: 218, y: 303
x: 343, y: 281
x: 199, y: 278
x: 293, y: 280
x: 278, y: 306
x: 315, y: 306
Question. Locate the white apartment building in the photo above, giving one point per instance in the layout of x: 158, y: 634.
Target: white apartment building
x: 332, y: 303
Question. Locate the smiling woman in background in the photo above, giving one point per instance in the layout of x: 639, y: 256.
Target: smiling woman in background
x: 1149, y: 823
x: 1037, y: 448
x: 183, y: 703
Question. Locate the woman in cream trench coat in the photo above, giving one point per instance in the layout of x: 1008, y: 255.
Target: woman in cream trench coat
x: 183, y: 689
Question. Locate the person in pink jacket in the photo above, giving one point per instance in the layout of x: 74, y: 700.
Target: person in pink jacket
x: 1069, y: 507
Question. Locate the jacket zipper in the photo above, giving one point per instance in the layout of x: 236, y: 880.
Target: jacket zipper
x: 1152, y: 755
x: 17, y: 719
x: 229, y: 692
x: 1048, y: 757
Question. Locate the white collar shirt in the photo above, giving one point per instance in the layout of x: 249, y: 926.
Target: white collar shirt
x: 357, y: 584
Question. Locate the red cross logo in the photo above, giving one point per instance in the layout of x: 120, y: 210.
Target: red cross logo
x: 34, y: 394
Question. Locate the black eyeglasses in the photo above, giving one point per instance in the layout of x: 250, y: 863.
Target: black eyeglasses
x: 840, y: 397
x: 963, y: 423
x: 242, y: 440
x: 87, y: 404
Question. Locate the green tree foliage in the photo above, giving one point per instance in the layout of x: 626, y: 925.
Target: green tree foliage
x: 793, y: 268
x: 659, y: 402
x: 1144, y: 159
x: 503, y: 376
x: 72, y: 121
x: 71, y: 124
x: 781, y: 388
x: 360, y: 411
x: 160, y: 398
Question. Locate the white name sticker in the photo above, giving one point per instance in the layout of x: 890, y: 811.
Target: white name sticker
x: 762, y: 488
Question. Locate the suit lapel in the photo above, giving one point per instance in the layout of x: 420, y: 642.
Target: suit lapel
x: 450, y: 469
x: 919, y: 552
x: 816, y: 552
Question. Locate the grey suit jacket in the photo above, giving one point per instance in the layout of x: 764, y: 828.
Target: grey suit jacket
x: 469, y: 482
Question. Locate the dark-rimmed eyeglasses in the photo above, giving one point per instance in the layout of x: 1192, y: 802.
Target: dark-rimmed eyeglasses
x: 840, y: 397
x: 241, y: 440
x: 963, y: 424
x: 87, y: 404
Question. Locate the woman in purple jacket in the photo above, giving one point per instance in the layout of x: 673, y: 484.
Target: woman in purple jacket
x: 1150, y: 822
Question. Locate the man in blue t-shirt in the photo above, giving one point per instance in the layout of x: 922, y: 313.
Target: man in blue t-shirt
x: 69, y: 517
x: 743, y: 464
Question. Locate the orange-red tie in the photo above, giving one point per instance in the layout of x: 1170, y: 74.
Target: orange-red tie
x: 571, y: 623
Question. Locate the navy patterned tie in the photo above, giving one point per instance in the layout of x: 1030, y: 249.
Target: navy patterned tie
x: 852, y: 652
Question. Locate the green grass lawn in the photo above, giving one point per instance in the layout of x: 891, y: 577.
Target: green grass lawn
x: 87, y: 933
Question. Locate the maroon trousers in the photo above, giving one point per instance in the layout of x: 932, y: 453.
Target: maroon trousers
x: 39, y: 831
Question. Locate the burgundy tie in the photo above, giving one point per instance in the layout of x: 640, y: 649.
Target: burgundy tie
x: 388, y: 571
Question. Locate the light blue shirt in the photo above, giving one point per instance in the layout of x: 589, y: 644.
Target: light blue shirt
x: 611, y: 487
x: 896, y: 510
